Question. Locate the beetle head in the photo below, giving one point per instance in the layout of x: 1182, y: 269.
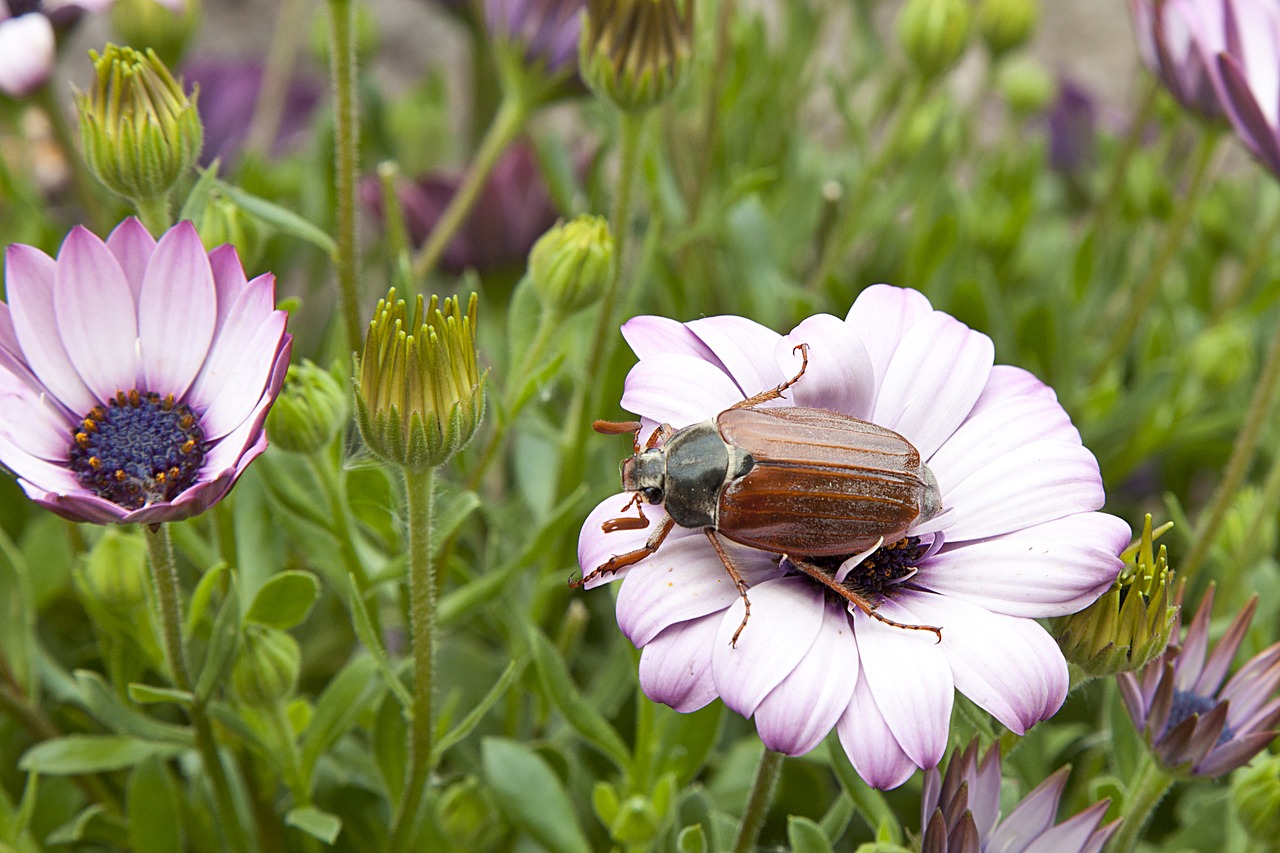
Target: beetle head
x: 646, y: 472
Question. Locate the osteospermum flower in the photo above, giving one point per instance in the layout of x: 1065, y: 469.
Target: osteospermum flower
x: 546, y: 30
x: 1017, y: 539
x: 960, y: 812
x: 1249, y: 85
x: 1178, y: 41
x: 1194, y: 723
x: 135, y: 375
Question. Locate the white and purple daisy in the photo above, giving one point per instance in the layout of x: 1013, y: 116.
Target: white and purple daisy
x: 1178, y: 41
x: 135, y: 375
x: 1018, y: 539
x: 1248, y: 69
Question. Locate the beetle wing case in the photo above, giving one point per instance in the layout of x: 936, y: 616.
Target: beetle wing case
x: 823, y: 484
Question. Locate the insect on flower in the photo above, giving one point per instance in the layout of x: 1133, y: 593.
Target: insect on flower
x: 813, y: 485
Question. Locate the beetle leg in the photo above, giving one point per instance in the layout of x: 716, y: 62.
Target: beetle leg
x: 663, y: 433
x: 854, y: 598
x: 737, y: 579
x: 776, y: 393
x: 624, y: 523
x: 630, y: 558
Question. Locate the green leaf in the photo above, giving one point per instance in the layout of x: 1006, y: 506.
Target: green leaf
x: 75, y: 754
x: 222, y: 644
x: 105, y: 704
x: 349, y: 692
x: 145, y: 694
x: 95, y: 823
x: 692, y: 840
x: 154, y: 806
x: 26, y: 808
x: 806, y: 836
x: 453, y: 506
x: 203, y: 594
x: 577, y: 711
x: 198, y: 199
x: 315, y: 823
x: 531, y: 795
x: 364, y: 630
x: 17, y: 617
x: 459, y: 732
x: 284, y: 600
x: 278, y: 217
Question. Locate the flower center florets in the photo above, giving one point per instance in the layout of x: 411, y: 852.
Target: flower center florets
x: 879, y: 572
x: 138, y: 449
x: 1186, y: 703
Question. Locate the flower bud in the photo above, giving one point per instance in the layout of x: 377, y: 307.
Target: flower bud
x: 1007, y: 24
x: 419, y: 392
x: 266, y: 667
x: 466, y: 816
x: 1223, y: 354
x: 223, y: 221
x: 1026, y: 85
x: 158, y: 26
x: 635, y: 53
x: 140, y: 131
x: 115, y: 572
x: 1129, y: 625
x: 570, y: 264
x: 934, y: 34
x: 1256, y: 792
x: 310, y: 410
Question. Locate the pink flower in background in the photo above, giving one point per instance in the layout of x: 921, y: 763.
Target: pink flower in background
x: 548, y: 30
x: 1178, y: 41
x: 1248, y: 69
x: 1019, y: 540
x: 135, y: 375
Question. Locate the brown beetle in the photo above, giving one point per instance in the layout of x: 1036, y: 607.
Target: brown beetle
x: 804, y: 483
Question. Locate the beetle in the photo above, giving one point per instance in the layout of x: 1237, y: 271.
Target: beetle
x: 803, y: 483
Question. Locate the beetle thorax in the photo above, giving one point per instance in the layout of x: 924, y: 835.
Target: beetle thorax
x: 687, y: 474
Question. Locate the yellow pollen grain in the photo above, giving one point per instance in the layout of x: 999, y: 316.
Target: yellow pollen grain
x: 121, y: 476
x: 82, y: 439
x: 95, y: 463
x: 187, y: 422
x: 188, y: 446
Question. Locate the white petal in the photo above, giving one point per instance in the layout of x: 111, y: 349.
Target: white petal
x: 840, y: 376
x: 870, y: 743
x: 675, y: 667
x: 679, y: 390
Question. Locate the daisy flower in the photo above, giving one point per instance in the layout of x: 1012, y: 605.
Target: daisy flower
x: 135, y: 375
x: 1017, y: 539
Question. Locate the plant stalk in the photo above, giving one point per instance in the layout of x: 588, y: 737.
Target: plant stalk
x: 342, y: 63
x: 758, y: 802
x: 1149, y: 785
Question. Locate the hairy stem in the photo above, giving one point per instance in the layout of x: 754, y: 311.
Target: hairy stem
x: 759, y: 801
x: 1149, y: 785
x: 342, y: 63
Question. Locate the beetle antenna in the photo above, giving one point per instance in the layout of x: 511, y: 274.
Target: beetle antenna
x: 776, y: 393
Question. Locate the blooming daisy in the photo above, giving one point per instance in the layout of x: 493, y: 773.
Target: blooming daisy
x: 135, y: 375
x: 1017, y: 539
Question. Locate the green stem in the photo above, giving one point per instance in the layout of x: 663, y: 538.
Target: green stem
x: 397, y: 234
x: 164, y: 576
x: 1262, y: 250
x: 1150, y: 784
x: 843, y: 229
x: 1242, y: 455
x: 758, y: 802
x: 297, y: 784
x: 274, y: 92
x: 631, y: 132
x: 1136, y: 306
x: 342, y: 62
x: 506, y: 126
x: 154, y: 213
x: 420, y: 502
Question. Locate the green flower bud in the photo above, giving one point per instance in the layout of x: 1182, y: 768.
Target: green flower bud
x: 466, y: 816
x: 140, y: 131
x: 419, y: 392
x: 934, y: 34
x: 266, y: 666
x: 1223, y: 354
x: 1129, y: 626
x: 115, y: 572
x: 223, y: 221
x: 571, y: 263
x: 310, y: 410
x: 1256, y: 792
x: 635, y: 53
x: 148, y: 24
x: 1007, y: 24
x: 1026, y: 85
x: 636, y: 823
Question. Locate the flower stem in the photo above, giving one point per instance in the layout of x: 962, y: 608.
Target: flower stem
x: 420, y: 501
x: 1141, y: 297
x: 1242, y: 455
x: 274, y: 91
x: 1149, y: 785
x: 506, y: 126
x: 758, y: 802
x: 164, y: 575
x: 154, y: 213
x: 342, y: 63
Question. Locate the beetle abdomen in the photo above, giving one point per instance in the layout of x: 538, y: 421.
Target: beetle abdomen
x: 823, y: 483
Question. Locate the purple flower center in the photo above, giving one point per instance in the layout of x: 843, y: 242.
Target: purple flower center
x: 138, y: 449
x: 881, y: 571
x: 1186, y: 703
x: 23, y: 7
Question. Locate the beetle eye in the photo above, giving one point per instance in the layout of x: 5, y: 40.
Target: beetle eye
x: 653, y: 495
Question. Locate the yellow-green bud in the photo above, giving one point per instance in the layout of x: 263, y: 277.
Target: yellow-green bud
x: 467, y: 817
x: 149, y: 24
x: 934, y: 34
x: 1128, y: 627
x: 635, y: 53
x: 1007, y: 24
x: 1256, y: 792
x: 310, y: 410
x: 419, y: 392
x: 266, y: 667
x: 1026, y: 85
x: 223, y: 221
x: 115, y: 572
x: 141, y: 132
x: 570, y: 264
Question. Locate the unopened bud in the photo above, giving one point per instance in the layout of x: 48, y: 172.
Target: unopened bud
x: 1026, y: 85
x: 571, y: 264
x: 223, y: 221
x: 1007, y: 24
x: 266, y: 668
x: 310, y: 410
x: 467, y: 817
x: 635, y: 53
x: 934, y: 34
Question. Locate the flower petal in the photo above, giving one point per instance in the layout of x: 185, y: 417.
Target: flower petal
x: 31, y: 422
x: 229, y: 282
x: 870, y: 743
x: 252, y: 307
x: 745, y: 348
x: 177, y: 311
x: 43, y: 475
x: 82, y: 507
x: 786, y: 616
x: 679, y: 390
x: 1009, y: 667
x: 880, y: 317
x: 840, y: 376
x: 132, y: 245
x: 26, y: 54
x: 675, y: 666
x: 595, y: 546
x: 1031, y: 817
x: 244, y: 385
x: 935, y: 376
x: 910, y: 678
x: 29, y: 277
x: 97, y: 317
x: 803, y: 708
x: 649, y: 336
